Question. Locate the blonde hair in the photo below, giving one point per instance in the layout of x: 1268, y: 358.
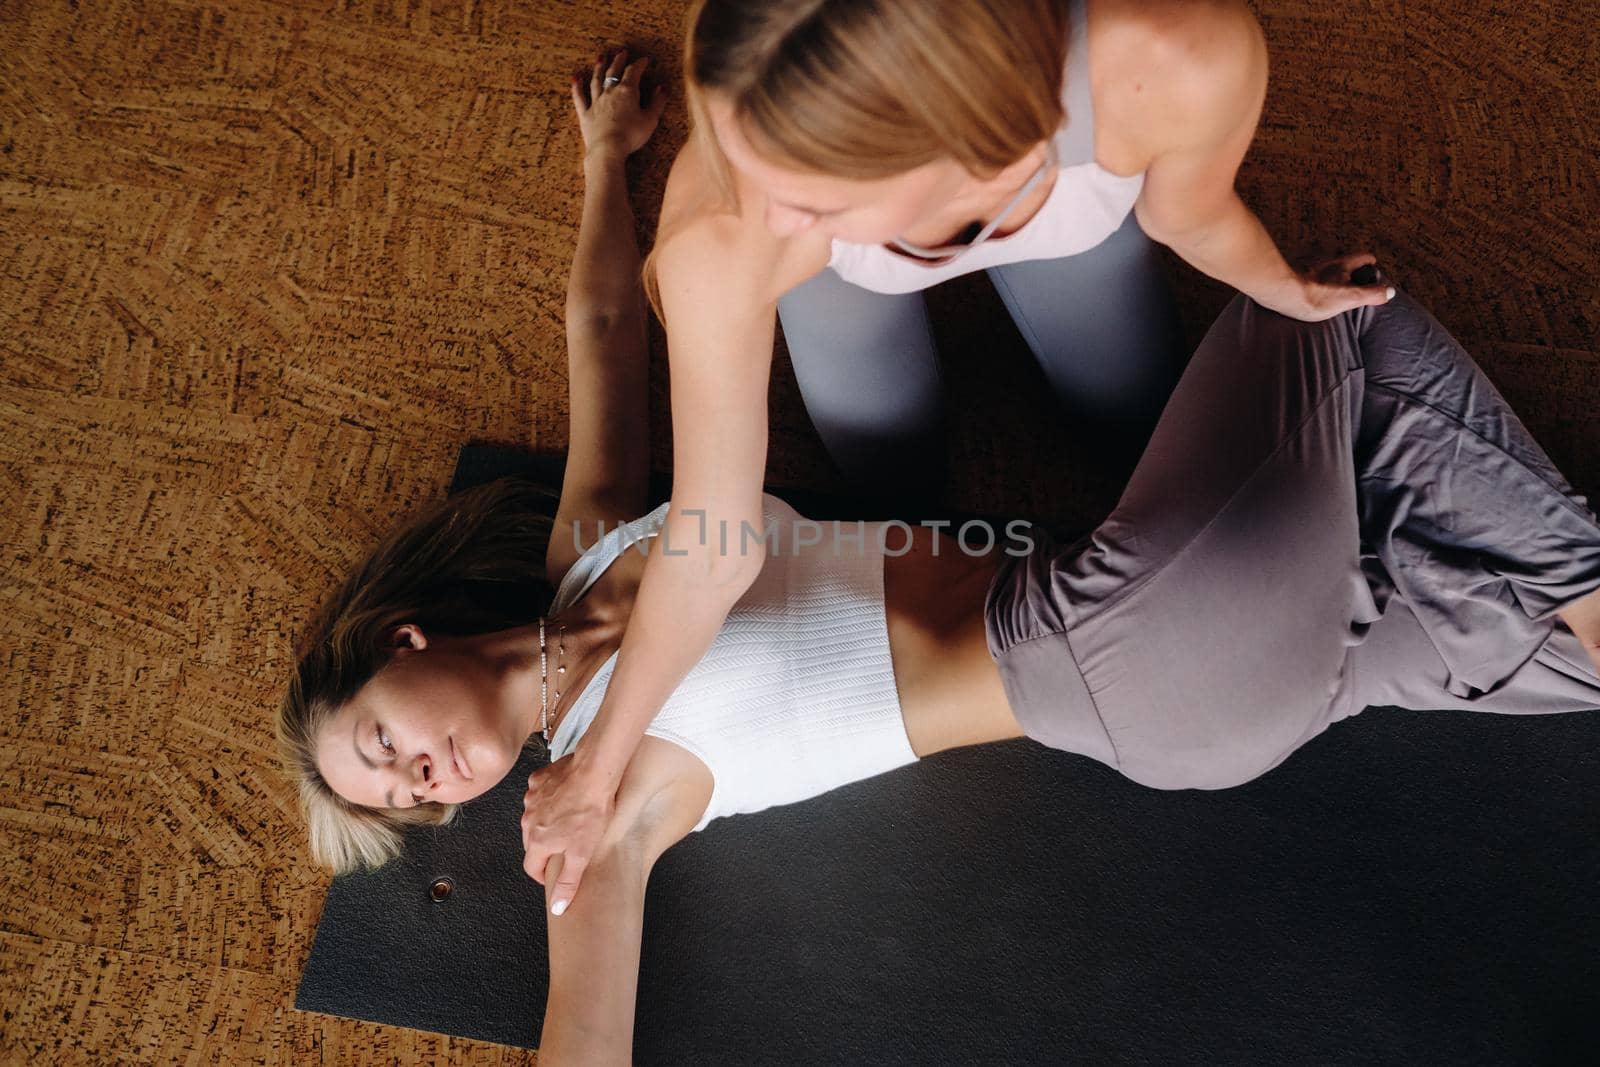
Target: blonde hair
x: 471, y: 564
x: 868, y: 89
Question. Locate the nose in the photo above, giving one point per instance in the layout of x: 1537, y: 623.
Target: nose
x: 423, y: 772
x: 784, y: 221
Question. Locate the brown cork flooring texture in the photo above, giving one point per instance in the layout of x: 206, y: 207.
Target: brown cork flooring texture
x: 265, y: 266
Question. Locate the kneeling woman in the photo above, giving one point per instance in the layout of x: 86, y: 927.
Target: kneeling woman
x: 1330, y: 515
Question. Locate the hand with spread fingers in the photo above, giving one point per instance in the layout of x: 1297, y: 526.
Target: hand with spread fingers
x: 612, y: 115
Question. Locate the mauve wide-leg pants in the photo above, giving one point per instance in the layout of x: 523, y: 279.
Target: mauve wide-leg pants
x: 1329, y: 516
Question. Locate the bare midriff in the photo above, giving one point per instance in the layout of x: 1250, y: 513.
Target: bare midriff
x: 950, y: 690
x: 948, y: 685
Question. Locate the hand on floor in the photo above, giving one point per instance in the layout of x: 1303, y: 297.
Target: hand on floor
x: 612, y: 114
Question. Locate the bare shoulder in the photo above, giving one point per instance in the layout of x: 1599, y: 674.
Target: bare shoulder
x: 712, y: 232
x: 696, y: 186
x: 1170, y: 40
x: 1167, y: 71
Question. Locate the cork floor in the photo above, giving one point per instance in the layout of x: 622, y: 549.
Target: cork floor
x: 265, y: 266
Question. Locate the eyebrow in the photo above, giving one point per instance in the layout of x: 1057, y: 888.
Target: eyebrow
x: 355, y: 741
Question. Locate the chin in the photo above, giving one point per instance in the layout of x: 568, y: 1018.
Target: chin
x: 490, y: 765
x: 473, y: 790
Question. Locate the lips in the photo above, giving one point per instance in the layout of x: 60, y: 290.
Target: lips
x: 459, y: 762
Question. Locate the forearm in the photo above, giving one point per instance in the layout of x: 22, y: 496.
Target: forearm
x: 720, y: 347
x: 689, y: 585
x: 603, y: 291
x: 607, y: 350
x: 1235, y: 248
x: 720, y: 330
x: 594, y: 965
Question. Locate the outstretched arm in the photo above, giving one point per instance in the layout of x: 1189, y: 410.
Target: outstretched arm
x: 594, y: 948
x: 720, y: 276
x: 608, y: 455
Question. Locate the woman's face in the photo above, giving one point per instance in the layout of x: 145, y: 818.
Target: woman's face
x: 440, y: 725
x: 864, y: 212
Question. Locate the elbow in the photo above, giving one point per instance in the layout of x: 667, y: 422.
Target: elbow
x: 1190, y: 231
x: 721, y: 555
x: 725, y: 580
x: 597, y: 319
x: 732, y: 572
x: 1149, y: 222
x: 1164, y: 231
x: 749, y: 570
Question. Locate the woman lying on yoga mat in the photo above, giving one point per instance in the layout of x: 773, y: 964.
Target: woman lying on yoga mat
x: 1330, y: 515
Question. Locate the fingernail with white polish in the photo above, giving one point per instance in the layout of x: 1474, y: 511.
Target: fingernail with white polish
x: 558, y: 907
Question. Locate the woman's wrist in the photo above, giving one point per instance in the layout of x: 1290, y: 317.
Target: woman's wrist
x: 1287, y: 296
x: 595, y: 766
x: 1236, y: 249
x: 604, y: 155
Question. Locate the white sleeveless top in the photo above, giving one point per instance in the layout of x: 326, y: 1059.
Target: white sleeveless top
x: 796, y: 695
x: 1085, y: 206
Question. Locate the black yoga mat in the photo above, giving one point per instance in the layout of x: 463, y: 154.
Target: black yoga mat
x: 1412, y: 887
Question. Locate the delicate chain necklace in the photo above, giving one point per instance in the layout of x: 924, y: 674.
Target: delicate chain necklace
x: 544, y: 674
x: 949, y: 253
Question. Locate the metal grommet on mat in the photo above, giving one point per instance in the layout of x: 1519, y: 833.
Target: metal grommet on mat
x: 440, y: 890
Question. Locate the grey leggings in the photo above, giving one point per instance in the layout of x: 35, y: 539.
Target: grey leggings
x: 1102, y: 324
x: 1329, y: 516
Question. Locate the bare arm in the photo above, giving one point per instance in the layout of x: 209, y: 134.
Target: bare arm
x: 721, y: 356
x: 720, y: 347
x: 594, y: 949
x: 1208, y: 79
x: 719, y: 277
x: 607, y: 354
x: 594, y: 963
